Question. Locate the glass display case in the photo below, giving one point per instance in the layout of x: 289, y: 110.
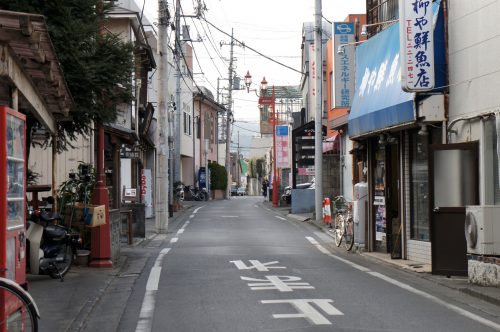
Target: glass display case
x: 13, y: 194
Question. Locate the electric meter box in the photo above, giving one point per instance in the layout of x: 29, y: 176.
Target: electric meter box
x: 359, y: 212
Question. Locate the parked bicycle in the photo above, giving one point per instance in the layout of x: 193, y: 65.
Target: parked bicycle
x: 18, y: 310
x: 344, y: 224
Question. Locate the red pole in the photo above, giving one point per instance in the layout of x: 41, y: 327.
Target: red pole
x: 101, y: 241
x: 275, y: 175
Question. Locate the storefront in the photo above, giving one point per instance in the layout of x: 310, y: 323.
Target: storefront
x: 392, y: 132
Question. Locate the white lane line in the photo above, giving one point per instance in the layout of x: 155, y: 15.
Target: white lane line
x: 191, y: 216
x: 145, y: 322
x: 174, y: 240
x: 180, y: 231
x: 433, y: 298
x: 197, y: 209
x: 312, y: 240
x: 229, y: 216
x: 409, y: 288
x: 326, y: 252
x: 281, y: 218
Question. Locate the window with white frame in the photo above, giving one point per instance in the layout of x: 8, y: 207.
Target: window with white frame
x: 187, y: 123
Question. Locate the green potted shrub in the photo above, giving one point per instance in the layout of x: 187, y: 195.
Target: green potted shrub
x: 218, y: 180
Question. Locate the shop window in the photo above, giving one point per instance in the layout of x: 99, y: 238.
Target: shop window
x: 419, y: 187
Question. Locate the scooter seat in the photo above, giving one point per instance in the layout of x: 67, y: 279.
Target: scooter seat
x: 55, y: 232
x: 50, y: 216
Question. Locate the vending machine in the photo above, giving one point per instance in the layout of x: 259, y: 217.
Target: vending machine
x: 12, y: 195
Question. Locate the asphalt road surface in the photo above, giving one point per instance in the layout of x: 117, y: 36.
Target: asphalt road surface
x: 238, y: 266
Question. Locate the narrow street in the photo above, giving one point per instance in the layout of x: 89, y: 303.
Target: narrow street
x: 238, y: 266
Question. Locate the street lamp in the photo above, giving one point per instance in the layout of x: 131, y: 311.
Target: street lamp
x: 269, y: 101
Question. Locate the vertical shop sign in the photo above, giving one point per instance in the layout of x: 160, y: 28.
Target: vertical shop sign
x: 282, y: 147
x: 312, y: 77
x: 416, y: 45
x: 147, y: 191
x: 343, y: 64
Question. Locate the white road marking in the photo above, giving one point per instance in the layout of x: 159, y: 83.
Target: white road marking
x: 280, y: 217
x: 191, y: 216
x: 307, y: 311
x: 145, y: 322
x: 229, y: 216
x: 326, y: 252
x: 174, y: 240
x: 312, y: 240
x: 280, y: 283
x: 180, y: 231
x: 256, y: 264
x: 197, y: 209
x: 409, y: 288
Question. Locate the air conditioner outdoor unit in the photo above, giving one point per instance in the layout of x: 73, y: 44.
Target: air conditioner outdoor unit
x: 482, y: 229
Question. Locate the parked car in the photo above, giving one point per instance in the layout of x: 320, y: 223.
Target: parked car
x: 234, y: 190
x: 242, y: 191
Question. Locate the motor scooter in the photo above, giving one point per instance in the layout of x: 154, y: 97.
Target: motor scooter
x: 51, y: 246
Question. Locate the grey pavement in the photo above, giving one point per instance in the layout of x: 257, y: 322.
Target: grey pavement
x: 77, y: 303
x: 460, y: 284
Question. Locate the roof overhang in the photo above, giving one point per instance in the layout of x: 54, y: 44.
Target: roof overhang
x: 28, y: 61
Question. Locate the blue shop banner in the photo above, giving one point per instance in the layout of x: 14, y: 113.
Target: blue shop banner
x: 379, y: 102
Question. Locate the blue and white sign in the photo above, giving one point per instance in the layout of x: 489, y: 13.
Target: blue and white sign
x: 282, y: 147
x: 417, y: 45
x: 343, y: 64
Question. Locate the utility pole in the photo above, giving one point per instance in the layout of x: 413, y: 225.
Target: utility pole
x: 228, y: 119
x: 318, y: 122
x: 238, y: 162
x: 162, y: 200
x: 176, y: 174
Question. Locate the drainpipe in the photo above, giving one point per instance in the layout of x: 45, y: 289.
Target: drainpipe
x: 444, y: 134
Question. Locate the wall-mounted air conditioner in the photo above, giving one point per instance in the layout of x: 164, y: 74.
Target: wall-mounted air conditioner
x: 482, y: 229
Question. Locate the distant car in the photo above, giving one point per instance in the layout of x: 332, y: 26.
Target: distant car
x: 242, y: 191
x: 234, y: 190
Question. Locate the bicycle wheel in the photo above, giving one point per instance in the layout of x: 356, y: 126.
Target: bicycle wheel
x: 18, y: 311
x: 339, y: 229
x: 349, y: 234
x: 62, y: 262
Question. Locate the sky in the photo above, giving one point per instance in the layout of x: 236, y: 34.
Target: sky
x: 272, y: 27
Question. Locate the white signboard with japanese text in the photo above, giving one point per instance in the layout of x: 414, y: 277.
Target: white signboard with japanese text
x: 312, y: 78
x: 282, y: 147
x: 343, y: 64
x: 416, y: 45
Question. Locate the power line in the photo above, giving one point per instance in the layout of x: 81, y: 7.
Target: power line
x: 195, y: 56
x: 254, y: 50
x: 253, y: 131
x: 206, y: 49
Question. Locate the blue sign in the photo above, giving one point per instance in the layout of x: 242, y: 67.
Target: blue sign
x: 282, y: 130
x: 344, y: 28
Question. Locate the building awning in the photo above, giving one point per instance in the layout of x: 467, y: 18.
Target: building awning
x: 379, y: 101
x: 332, y: 143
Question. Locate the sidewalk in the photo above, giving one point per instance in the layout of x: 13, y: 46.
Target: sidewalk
x: 460, y: 284
x: 78, y: 303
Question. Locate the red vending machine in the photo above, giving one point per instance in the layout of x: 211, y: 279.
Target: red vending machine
x: 12, y: 195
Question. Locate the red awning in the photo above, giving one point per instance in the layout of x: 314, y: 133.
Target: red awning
x: 332, y: 143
